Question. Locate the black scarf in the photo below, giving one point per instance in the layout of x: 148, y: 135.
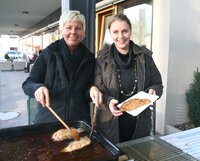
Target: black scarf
x: 124, y: 61
x: 126, y: 66
x: 71, y: 61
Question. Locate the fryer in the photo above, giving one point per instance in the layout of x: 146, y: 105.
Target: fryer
x: 34, y: 143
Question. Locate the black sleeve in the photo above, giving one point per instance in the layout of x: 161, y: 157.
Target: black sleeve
x: 36, y: 77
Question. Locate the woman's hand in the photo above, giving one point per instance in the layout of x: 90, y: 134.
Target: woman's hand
x: 42, y: 96
x: 152, y: 92
x: 113, y: 109
x: 96, y: 96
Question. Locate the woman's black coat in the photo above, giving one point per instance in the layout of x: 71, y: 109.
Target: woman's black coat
x: 107, y: 81
x: 69, y: 99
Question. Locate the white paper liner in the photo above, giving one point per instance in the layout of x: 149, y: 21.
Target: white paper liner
x: 141, y: 95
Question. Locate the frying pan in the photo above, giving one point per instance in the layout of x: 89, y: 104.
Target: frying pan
x: 34, y: 143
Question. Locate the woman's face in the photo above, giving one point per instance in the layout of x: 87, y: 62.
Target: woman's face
x: 73, y: 33
x: 120, y: 33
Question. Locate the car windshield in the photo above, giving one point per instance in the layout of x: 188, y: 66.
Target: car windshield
x: 12, y: 52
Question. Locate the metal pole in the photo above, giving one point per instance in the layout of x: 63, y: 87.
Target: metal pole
x: 153, y: 119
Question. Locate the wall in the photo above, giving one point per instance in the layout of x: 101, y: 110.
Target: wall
x: 7, y: 42
x: 176, y: 44
x: 160, y: 48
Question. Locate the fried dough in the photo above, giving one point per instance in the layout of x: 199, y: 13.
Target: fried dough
x: 133, y: 103
x: 63, y: 134
x: 75, y: 145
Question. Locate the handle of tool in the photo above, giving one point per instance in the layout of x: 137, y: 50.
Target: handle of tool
x: 52, y: 111
x: 93, y: 120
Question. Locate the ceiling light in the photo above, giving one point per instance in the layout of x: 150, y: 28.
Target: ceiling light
x: 25, y: 12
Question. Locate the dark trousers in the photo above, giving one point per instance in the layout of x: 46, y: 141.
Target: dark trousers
x: 127, y: 124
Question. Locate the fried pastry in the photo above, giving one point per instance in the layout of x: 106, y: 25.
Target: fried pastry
x: 75, y: 145
x: 63, y: 134
x: 133, y: 103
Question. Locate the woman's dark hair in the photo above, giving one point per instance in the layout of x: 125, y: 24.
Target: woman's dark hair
x: 119, y: 17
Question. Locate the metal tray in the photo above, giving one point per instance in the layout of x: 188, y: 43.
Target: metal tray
x: 153, y: 149
x: 34, y: 143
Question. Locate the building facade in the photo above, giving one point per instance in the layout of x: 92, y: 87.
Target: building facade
x: 169, y: 28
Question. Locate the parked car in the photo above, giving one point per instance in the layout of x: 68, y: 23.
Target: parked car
x: 13, y: 55
x: 23, y: 55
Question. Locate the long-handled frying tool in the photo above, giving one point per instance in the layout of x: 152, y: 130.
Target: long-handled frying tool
x: 93, y: 121
x: 74, y: 133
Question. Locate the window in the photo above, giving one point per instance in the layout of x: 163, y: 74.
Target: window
x: 140, y: 15
x: 102, y: 34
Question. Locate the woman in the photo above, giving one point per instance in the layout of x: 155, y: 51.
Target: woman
x: 63, y: 73
x: 122, y: 70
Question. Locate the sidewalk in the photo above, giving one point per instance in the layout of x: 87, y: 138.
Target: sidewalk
x: 12, y: 99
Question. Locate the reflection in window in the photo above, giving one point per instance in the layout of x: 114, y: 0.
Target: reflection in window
x: 107, y: 40
x: 141, y: 18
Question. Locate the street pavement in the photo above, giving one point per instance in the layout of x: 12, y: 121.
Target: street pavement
x: 12, y: 99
